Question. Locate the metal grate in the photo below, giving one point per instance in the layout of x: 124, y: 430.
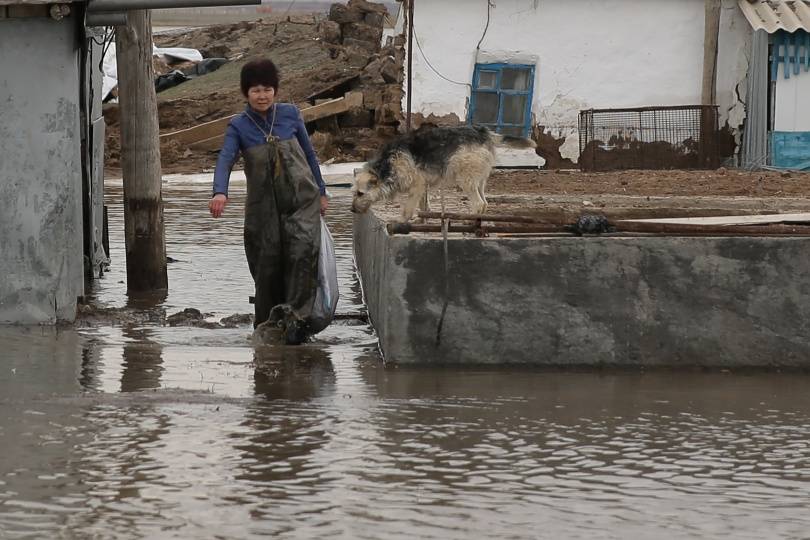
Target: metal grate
x: 680, y: 137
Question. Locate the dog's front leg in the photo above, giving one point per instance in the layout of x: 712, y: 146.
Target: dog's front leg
x: 410, y: 206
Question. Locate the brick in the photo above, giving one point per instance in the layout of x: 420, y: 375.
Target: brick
x: 362, y: 32
x: 339, y: 13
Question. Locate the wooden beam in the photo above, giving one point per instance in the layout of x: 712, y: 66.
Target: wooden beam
x: 200, y: 132
x: 144, y: 237
x: 203, y: 135
x: 710, y: 38
x: 352, y: 100
x: 484, y: 217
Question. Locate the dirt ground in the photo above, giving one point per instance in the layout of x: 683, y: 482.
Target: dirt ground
x: 692, y: 183
x: 566, y: 194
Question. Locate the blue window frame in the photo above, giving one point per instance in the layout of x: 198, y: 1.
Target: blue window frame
x: 502, y: 98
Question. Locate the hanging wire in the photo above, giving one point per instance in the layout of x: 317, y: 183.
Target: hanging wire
x: 416, y: 38
x: 490, y: 5
x: 108, y: 42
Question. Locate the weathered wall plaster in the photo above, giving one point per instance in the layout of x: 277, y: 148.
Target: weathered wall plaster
x: 615, y: 53
x: 792, y: 101
x: 40, y: 172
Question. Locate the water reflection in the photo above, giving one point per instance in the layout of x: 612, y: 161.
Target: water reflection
x: 139, y: 430
x: 146, y: 300
x: 293, y: 373
x: 285, y: 430
x: 142, y: 361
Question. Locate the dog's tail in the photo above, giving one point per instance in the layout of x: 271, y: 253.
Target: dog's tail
x: 512, y: 142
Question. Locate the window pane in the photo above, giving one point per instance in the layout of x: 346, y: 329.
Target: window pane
x: 486, y: 108
x: 514, y: 107
x: 487, y: 79
x: 515, y: 79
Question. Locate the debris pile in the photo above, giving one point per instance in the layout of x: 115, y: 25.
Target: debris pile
x: 321, y: 57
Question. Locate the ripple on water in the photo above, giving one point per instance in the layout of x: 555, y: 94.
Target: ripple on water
x: 145, y: 431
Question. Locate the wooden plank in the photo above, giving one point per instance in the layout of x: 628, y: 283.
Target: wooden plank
x: 731, y: 220
x: 200, y: 132
x: 331, y: 87
x: 205, y: 133
x: 352, y: 100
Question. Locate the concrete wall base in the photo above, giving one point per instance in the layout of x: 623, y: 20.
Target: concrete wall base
x: 597, y: 301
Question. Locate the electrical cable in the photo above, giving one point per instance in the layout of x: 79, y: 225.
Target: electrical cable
x: 416, y: 38
x: 480, y: 41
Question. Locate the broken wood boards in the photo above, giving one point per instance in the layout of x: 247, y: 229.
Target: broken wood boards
x: 209, y: 136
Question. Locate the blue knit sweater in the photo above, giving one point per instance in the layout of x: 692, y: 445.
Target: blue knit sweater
x: 242, y: 133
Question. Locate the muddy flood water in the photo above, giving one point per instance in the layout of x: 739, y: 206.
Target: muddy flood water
x: 142, y: 430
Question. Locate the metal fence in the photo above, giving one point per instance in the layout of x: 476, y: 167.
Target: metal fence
x: 680, y: 137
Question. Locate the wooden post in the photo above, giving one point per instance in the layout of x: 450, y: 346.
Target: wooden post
x: 140, y: 156
x: 711, y: 35
x: 708, y: 129
x: 423, y: 204
x: 410, y: 65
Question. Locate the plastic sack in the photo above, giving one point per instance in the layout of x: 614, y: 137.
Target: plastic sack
x: 326, y: 297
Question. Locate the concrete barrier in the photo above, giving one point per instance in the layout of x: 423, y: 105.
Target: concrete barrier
x: 593, y: 301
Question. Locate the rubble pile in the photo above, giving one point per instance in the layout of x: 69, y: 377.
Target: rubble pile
x: 321, y: 56
x: 358, y: 27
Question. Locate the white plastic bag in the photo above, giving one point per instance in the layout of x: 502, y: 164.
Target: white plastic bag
x: 326, y: 297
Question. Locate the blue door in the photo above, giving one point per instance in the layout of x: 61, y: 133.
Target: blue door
x: 502, y: 98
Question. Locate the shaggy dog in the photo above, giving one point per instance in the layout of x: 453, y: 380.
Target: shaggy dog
x: 439, y: 156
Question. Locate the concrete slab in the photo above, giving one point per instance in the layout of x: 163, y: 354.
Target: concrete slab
x: 512, y: 158
x: 598, y: 301
x: 341, y: 169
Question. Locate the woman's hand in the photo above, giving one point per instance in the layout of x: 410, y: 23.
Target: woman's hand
x: 217, y: 204
x: 324, y: 204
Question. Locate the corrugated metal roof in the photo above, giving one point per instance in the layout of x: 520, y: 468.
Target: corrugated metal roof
x: 773, y: 15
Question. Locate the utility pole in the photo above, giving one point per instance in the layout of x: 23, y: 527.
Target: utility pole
x: 410, y: 65
x: 423, y: 204
x: 711, y: 35
x: 708, y: 130
x: 140, y: 156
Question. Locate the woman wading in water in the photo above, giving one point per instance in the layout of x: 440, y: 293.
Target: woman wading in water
x: 286, y: 196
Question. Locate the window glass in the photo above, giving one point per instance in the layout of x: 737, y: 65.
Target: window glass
x: 486, y: 108
x: 487, y: 79
x: 514, y: 108
x: 515, y: 79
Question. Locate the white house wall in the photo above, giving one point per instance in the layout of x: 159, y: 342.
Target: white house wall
x: 40, y: 171
x: 588, y: 54
x: 792, y: 101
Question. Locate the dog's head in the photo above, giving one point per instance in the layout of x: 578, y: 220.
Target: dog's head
x: 365, y: 189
